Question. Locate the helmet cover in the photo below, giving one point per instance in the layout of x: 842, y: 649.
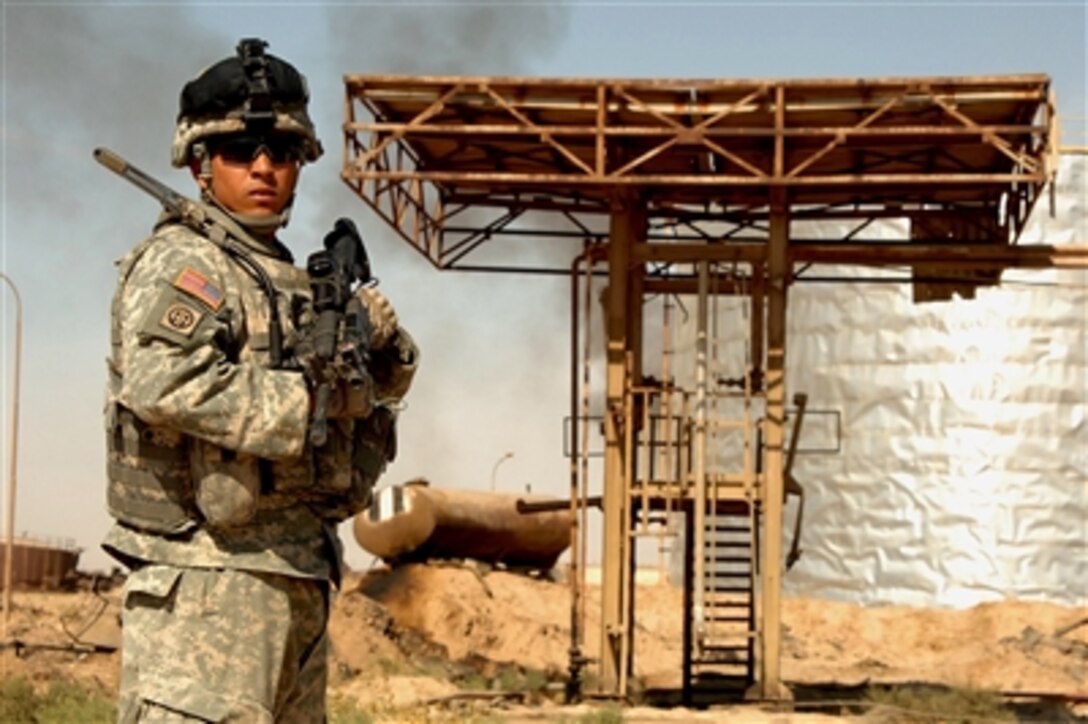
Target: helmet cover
x: 252, y: 92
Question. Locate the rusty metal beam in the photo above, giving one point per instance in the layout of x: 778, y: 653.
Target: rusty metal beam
x: 694, y: 133
x: 1074, y: 256
x: 542, y: 180
x: 570, y: 93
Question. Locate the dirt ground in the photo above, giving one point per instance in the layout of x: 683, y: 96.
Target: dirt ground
x: 458, y: 638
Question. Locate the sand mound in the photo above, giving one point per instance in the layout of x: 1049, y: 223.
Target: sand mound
x: 422, y: 632
x: 1012, y: 646
x: 501, y: 617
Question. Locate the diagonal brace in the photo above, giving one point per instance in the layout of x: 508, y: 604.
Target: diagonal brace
x: 840, y: 136
x: 544, y: 135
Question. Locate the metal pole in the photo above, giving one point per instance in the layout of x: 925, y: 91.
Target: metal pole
x: 495, y: 468
x: 700, y: 504
x: 778, y: 271
x: 614, y: 501
x: 9, y: 545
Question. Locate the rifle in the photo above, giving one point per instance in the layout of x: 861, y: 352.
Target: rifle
x: 341, y: 333
x: 211, y: 223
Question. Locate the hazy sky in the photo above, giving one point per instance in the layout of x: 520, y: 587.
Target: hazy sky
x: 494, y: 375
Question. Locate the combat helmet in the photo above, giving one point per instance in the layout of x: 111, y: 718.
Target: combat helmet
x: 253, y: 92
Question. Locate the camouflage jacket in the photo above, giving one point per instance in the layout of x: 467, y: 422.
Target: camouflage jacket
x: 209, y: 463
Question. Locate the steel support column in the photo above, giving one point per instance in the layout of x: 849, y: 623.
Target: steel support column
x: 636, y: 286
x: 627, y: 226
x: 778, y: 270
x: 699, y: 453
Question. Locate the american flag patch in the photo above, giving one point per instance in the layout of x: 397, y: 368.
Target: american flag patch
x: 193, y: 282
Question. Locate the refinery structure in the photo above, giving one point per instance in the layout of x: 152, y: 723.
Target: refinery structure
x: 690, y: 216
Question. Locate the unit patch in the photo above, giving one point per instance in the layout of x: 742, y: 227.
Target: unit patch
x: 193, y: 282
x: 181, y: 318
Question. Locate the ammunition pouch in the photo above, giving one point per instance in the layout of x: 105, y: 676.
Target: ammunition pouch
x: 375, y: 446
x: 332, y: 461
x: 227, y: 485
x: 149, y: 478
x: 162, y: 481
x: 375, y: 442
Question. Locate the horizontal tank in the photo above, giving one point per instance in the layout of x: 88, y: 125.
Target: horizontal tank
x: 415, y: 522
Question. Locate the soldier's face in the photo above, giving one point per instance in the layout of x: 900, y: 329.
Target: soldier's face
x: 258, y: 186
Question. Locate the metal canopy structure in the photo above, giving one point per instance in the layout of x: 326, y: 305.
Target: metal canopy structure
x: 691, y: 187
x: 421, y: 150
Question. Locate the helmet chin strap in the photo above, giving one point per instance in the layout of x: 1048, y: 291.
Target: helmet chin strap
x: 264, y: 225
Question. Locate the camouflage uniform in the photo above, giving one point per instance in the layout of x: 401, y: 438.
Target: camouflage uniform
x: 224, y: 510
x: 225, y: 513
x: 223, y: 645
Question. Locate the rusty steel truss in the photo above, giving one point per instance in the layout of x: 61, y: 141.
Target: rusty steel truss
x: 691, y: 187
x: 422, y: 151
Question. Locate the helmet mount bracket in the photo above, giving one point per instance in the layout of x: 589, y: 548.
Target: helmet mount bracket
x: 259, y: 113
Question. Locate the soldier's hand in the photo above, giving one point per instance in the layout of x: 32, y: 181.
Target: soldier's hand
x: 383, y: 318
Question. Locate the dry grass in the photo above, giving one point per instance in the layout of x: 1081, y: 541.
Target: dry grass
x: 62, y: 702
x: 935, y: 705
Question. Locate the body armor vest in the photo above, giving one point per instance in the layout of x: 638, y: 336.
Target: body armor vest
x: 163, y: 481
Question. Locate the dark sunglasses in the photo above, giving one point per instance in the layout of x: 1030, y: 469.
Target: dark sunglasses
x: 245, y: 148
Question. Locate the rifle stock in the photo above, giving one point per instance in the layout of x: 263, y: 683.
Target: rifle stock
x: 187, y: 209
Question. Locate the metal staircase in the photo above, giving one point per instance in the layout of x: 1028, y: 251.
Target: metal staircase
x: 721, y: 620
x: 692, y: 457
x: 723, y: 658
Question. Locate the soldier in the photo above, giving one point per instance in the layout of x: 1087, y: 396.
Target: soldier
x: 225, y: 509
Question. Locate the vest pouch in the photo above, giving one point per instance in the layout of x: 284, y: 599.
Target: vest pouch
x: 227, y: 485
x: 332, y: 461
x: 375, y: 442
x: 150, y: 487
x: 375, y: 446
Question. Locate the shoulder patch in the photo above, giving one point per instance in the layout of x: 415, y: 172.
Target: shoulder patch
x: 196, y: 284
x: 181, y: 318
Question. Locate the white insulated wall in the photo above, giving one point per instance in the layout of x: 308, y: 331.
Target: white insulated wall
x: 962, y: 461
